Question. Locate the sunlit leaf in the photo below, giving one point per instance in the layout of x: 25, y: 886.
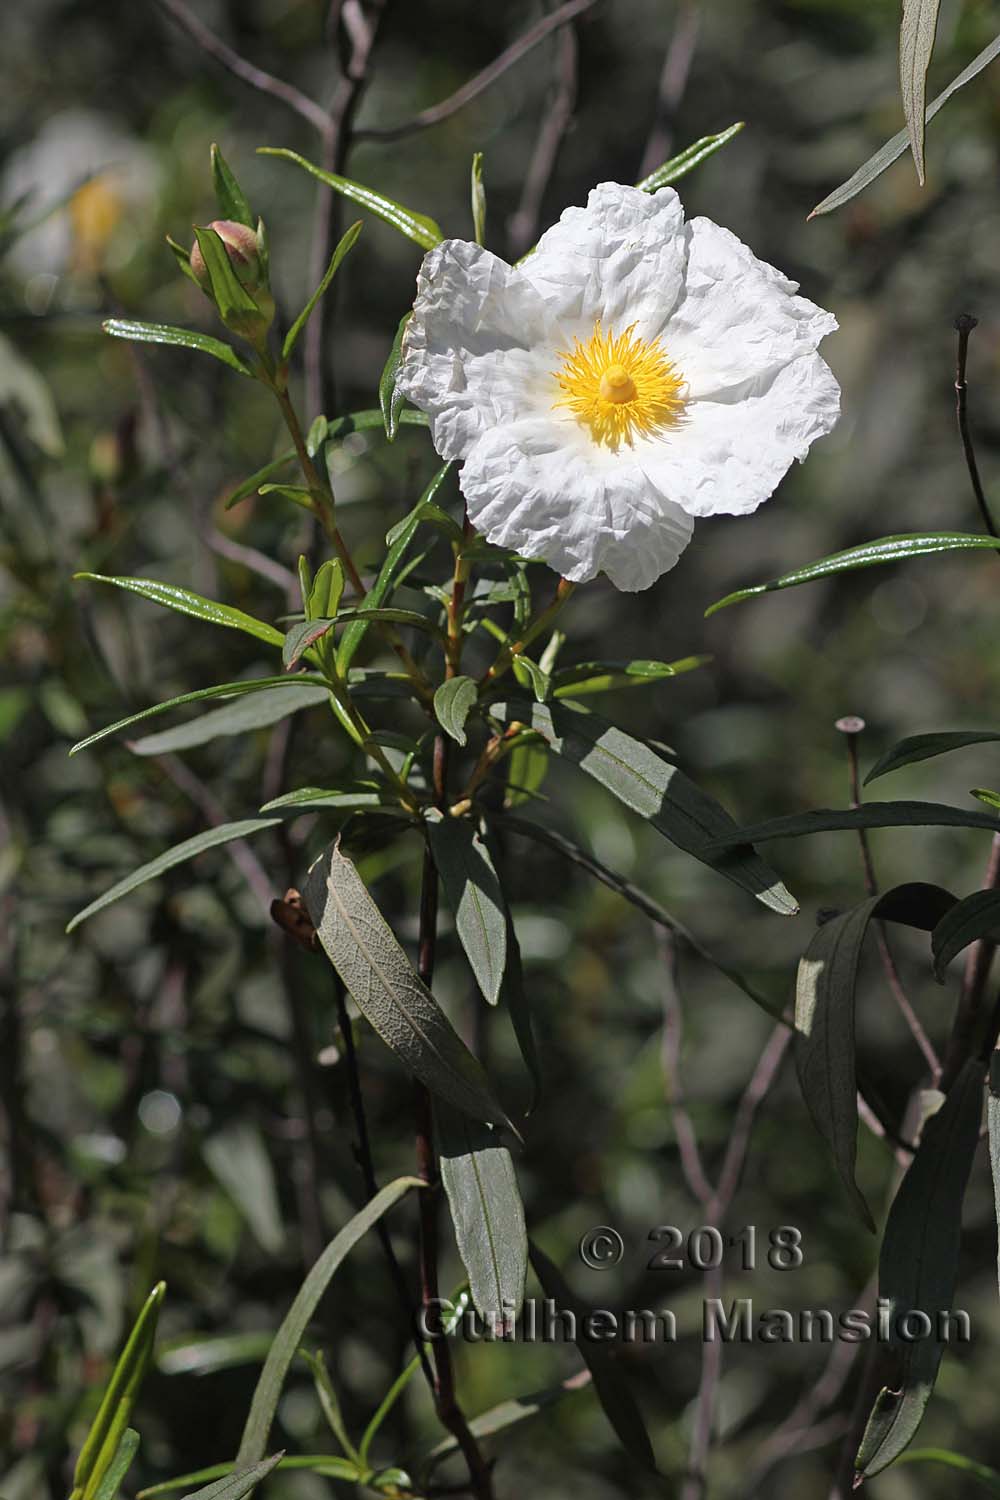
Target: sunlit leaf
x: 453, y: 702
x: 679, y: 166
x: 119, y: 1466
x: 109, y: 1425
x: 185, y: 338
x: 231, y: 297
x: 228, y: 193
x: 249, y: 712
x: 916, y: 44
x: 390, y: 397
x: 418, y: 227
x: 346, y: 244
x: 172, y: 596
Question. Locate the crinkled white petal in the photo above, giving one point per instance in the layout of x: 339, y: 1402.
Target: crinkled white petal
x: 537, y: 488
x: 478, y: 351
x: 737, y: 320
x: 728, y: 457
x: 620, y: 260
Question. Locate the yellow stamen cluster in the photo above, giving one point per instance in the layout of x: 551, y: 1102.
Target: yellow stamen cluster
x: 621, y: 386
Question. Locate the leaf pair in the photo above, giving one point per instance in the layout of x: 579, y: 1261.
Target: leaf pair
x: 111, y: 1444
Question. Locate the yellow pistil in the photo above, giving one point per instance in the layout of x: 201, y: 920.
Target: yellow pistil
x: 621, y: 386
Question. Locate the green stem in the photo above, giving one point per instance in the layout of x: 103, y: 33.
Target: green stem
x: 535, y: 627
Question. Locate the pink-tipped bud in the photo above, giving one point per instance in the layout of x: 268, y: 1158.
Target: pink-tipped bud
x: 244, y: 257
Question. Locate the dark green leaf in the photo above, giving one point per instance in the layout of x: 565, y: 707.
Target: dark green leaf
x: 390, y: 398
x: 508, y: 1414
x: 249, y: 712
x: 185, y: 338
x: 119, y: 1466
x: 346, y: 244
x: 325, y: 1464
x: 679, y: 166
x: 210, y: 839
x: 221, y: 690
x: 360, y: 945
x: 887, y: 154
x: 870, y: 815
x: 390, y: 616
x: 887, y: 549
x: 171, y: 596
x: 654, y: 788
x: 108, y: 1426
x: 347, y: 800
x: 293, y: 1329
x: 418, y: 227
x: 918, y: 747
x: 824, y: 1017
x: 487, y: 1213
x: 252, y: 485
x: 918, y: 1263
x: 453, y: 702
x: 601, y: 676
x: 916, y: 43
x: 612, y: 1392
x: 228, y: 193
x: 472, y: 890
x: 301, y: 636
x: 238, y: 1158
x: 977, y: 916
x: 236, y: 1485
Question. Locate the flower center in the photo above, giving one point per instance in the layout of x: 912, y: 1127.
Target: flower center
x: 620, y: 386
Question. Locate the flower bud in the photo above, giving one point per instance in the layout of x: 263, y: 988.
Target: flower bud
x: 241, y: 246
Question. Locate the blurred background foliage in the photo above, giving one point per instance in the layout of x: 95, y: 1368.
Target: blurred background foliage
x: 172, y: 1108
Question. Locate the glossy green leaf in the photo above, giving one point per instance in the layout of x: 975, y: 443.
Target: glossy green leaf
x: 473, y: 893
x: 301, y: 636
x: 892, y: 150
x: 888, y: 549
x: 210, y: 839
x: 824, y: 1017
x: 368, y: 420
x: 989, y: 1479
x: 992, y: 799
x: 324, y: 594
x: 453, y: 702
x: 916, y: 44
x: 917, y: 747
x: 589, y: 677
x: 382, y: 588
x: 918, y: 1264
x: 977, y: 916
x: 870, y: 815
x: 221, y: 690
x: 238, y: 1158
x: 360, y: 944
x: 418, y: 227
x: 653, y: 787
x: 109, y: 1425
x: 345, y: 244
x: 252, y: 485
x: 228, y: 193
x: 486, y: 1210
x: 319, y: 431
x: 231, y: 297
x: 680, y: 165
x: 184, y: 338
x: 116, y: 1471
x: 293, y: 1329
x: 610, y: 1385
x: 390, y: 398
x: 250, y: 712
x: 530, y: 675
x: 172, y: 596
x: 298, y: 494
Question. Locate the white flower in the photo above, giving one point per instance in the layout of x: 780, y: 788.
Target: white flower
x: 632, y: 373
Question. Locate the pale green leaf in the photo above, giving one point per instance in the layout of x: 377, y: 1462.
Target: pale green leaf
x: 916, y: 44
x: 185, y: 338
x: 473, y: 893
x: 453, y: 702
x: 418, y: 227
x: 691, y: 157
x: 172, y: 596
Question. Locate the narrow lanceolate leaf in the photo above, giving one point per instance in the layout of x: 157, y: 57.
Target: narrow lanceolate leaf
x: 238, y: 1484
x: 348, y: 799
x: 472, y: 890
x: 293, y: 1329
x: 251, y: 485
x: 390, y: 398
x: 977, y: 916
x: 210, y: 839
x: 108, y: 1427
x: 228, y: 194
x: 610, y: 1385
x: 892, y: 150
x: 453, y: 702
x: 888, y: 549
x: 251, y: 711
x: 824, y: 1017
x: 360, y: 944
x: 654, y: 788
x: 221, y: 690
x: 487, y: 1213
x: 870, y: 815
x: 346, y: 244
x: 918, y: 1264
x: 601, y: 676
x: 508, y: 1414
x: 916, y: 44
x: 917, y: 747
x: 418, y: 227
x: 185, y: 338
x: 680, y: 165
x: 381, y: 589
x: 172, y: 596
x: 987, y: 1478
x: 119, y: 1466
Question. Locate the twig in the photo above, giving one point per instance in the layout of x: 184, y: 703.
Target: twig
x: 241, y: 67
x: 670, y: 1054
x: 482, y: 80
x: 851, y: 728
x: 964, y: 324
x: 238, y: 850
x: 673, y: 82
x: 522, y: 227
